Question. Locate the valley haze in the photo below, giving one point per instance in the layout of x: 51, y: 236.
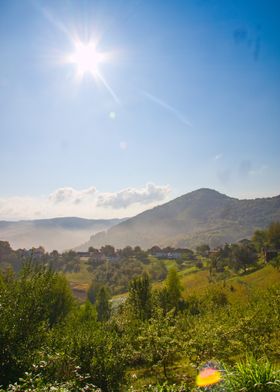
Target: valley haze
x: 201, y: 216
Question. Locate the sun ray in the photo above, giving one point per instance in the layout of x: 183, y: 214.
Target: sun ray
x: 109, y: 88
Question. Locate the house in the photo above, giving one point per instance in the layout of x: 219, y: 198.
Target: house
x: 83, y: 254
x: 174, y: 255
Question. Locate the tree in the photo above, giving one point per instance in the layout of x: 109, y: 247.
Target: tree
x: 159, y: 341
x: 31, y: 304
x: 93, y: 250
x: 137, y: 249
x: 260, y: 239
x: 174, y: 288
x: 91, y: 293
x: 275, y: 262
x: 243, y: 256
x: 139, y: 297
x: 97, y: 348
x: 155, y: 249
x: 273, y: 235
x: 5, y: 250
x: 127, y: 251
x: 102, y: 304
x: 202, y: 250
x: 108, y: 250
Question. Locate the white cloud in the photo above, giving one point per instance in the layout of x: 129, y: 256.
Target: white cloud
x: 69, y: 194
x: 87, y: 203
x: 149, y: 194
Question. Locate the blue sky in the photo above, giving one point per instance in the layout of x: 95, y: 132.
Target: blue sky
x: 193, y: 102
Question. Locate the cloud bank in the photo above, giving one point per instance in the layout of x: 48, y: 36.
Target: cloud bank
x: 87, y: 203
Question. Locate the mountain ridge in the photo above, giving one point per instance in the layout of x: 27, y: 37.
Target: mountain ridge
x: 203, y: 215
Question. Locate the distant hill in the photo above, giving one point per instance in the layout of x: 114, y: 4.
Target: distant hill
x: 202, y: 216
x: 56, y: 233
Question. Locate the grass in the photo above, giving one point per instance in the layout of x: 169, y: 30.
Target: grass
x: 253, y: 375
x: 83, y: 276
x: 250, y: 375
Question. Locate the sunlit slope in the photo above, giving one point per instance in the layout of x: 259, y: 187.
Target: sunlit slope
x: 238, y: 287
x: 194, y: 281
x: 201, y: 216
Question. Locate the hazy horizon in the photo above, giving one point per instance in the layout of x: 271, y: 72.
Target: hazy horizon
x: 138, y: 210
x: 111, y: 108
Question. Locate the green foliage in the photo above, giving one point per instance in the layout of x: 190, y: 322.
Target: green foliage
x: 275, y: 262
x: 36, y: 382
x: 116, y: 275
x: 159, y: 341
x: 97, y: 348
x: 166, y: 387
x: 217, y: 297
x: 174, y: 288
x: 102, y: 304
x: 273, y: 235
x: 108, y: 250
x: 227, y: 332
x: 92, y: 293
x: 31, y: 304
x: 260, y: 239
x: 139, y: 297
x: 65, y: 347
x: 243, y: 255
x: 253, y: 375
x: 202, y: 250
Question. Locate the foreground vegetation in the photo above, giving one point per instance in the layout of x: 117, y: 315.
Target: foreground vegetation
x: 155, y: 337
x: 156, y: 340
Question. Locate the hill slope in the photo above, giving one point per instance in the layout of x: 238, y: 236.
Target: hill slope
x: 57, y: 233
x: 201, y: 216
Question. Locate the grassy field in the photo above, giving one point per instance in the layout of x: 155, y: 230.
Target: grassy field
x: 193, y: 280
x: 238, y: 287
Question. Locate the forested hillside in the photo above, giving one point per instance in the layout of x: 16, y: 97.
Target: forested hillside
x: 202, y: 216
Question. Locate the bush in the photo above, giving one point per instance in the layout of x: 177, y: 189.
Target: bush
x: 31, y: 304
x: 94, y: 346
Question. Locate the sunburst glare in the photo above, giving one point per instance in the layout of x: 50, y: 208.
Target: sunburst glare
x: 87, y: 60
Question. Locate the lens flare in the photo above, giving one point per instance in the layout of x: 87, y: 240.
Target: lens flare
x: 208, y: 376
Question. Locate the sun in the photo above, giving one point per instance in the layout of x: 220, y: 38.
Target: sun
x: 86, y: 58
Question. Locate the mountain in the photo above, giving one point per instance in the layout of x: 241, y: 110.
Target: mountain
x: 202, y: 216
x: 56, y: 233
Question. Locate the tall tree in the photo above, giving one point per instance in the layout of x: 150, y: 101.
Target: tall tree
x: 140, y: 297
x: 103, y: 305
x: 174, y: 288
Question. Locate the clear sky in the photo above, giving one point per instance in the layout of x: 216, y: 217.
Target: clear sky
x: 178, y: 95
